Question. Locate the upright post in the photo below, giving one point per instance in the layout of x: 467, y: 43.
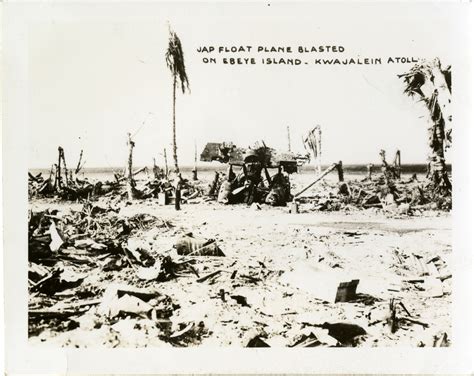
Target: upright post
x: 166, y: 163
x: 195, y: 172
x: 340, y: 171
x: 58, y: 169
x: 155, y: 170
x: 369, y: 171
x: 177, y: 193
x: 61, y: 156
x: 128, y: 168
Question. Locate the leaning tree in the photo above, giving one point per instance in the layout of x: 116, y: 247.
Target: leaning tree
x: 429, y: 82
x: 175, y: 62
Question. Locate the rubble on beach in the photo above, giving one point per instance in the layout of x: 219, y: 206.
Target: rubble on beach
x: 250, y: 259
x: 116, y: 273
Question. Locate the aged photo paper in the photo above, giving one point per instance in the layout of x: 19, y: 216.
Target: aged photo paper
x: 237, y: 187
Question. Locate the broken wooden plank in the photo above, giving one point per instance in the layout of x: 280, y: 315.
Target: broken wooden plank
x: 206, y: 277
x: 327, y: 171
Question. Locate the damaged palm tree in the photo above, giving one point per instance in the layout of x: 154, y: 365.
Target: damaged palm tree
x: 432, y: 85
x: 175, y: 62
x: 79, y: 165
x: 392, y: 171
x: 129, y: 169
x: 313, y: 142
x: 166, y: 163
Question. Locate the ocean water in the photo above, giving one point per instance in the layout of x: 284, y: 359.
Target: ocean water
x: 206, y: 172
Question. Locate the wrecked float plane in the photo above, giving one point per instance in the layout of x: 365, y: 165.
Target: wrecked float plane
x: 249, y: 186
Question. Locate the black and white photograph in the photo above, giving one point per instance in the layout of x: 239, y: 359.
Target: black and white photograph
x: 238, y: 175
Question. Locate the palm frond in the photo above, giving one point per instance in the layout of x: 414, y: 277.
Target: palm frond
x: 175, y: 61
x: 414, y: 80
x: 447, y: 77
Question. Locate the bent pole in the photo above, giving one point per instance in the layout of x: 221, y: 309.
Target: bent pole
x: 327, y: 171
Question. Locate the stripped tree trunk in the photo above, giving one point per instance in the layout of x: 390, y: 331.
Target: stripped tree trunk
x: 397, y: 167
x: 155, y: 170
x: 436, y: 134
x: 78, y: 168
x: 56, y: 182
x: 128, y: 169
x: 61, y: 156
x: 442, y: 82
x: 340, y: 171
x: 385, y: 166
x: 51, y: 173
x: 175, y: 147
x: 195, y: 171
x: 369, y: 171
x: 58, y: 170
x: 437, y: 165
x: 166, y: 163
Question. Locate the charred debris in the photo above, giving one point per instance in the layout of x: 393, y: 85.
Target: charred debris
x: 259, y: 175
x: 135, y: 279
x: 254, y: 183
x: 97, y: 275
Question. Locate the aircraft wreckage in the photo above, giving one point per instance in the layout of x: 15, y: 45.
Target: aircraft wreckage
x: 249, y: 186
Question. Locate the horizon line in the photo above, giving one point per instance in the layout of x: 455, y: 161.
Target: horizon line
x: 218, y: 164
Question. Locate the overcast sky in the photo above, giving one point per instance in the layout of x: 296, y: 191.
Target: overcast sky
x: 96, y: 73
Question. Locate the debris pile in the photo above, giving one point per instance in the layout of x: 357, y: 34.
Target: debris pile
x: 254, y: 183
x: 98, y: 276
x: 66, y: 185
x: 249, y: 185
x: 164, y: 189
x: 392, y: 196
x: 90, y: 268
x: 74, y: 189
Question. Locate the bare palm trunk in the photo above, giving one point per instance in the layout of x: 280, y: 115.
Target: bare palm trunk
x: 175, y: 148
x: 58, y: 183
x: 340, y: 171
x: 128, y: 169
x: 195, y: 171
x: 63, y: 158
x: 443, y: 93
x: 56, y: 177
x: 166, y: 163
x: 51, y: 173
x: 397, y: 166
x: 155, y: 170
x: 438, y: 172
x: 78, y: 168
x: 369, y: 171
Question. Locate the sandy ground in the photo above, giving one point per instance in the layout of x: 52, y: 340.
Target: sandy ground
x: 287, y: 267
